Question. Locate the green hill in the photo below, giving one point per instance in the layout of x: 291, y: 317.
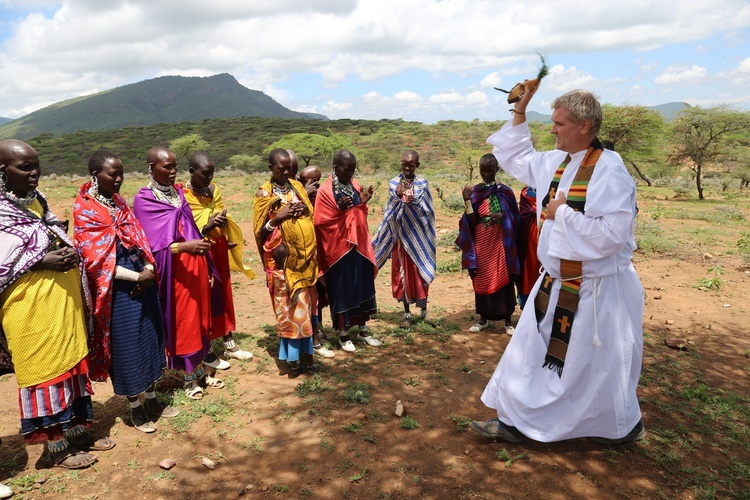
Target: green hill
x: 5, y: 120
x: 168, y: 99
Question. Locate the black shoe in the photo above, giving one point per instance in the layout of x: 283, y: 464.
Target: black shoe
x: 494, y: 429
x: 638, y: 433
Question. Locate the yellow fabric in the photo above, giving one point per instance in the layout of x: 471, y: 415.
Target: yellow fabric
x: 203, y: 208
x: 44, y: 322
x: 301, y: 267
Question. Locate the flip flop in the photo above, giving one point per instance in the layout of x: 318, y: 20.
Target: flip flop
x: 87, y: 442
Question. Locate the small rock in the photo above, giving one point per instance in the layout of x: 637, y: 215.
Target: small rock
x: 241, y: 492
x: 481, y: 362
x: 467, y: 452
x: 709, y: 327
x: 40, y: 480
x: 707, y: 256
x: 208, y: 463
x: 167, y: 463
x: 670, y: 322
x: 249, y: 487
x: 679, y: 344
x: 399, y: 408
x: 726, y: 305
x: 657, y: 297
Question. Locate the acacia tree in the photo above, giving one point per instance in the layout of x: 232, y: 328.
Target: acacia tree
x: 187, y: 145
x: 305, y: 146
x: 309, y: 146
x: 700, y: 137
x: 634, y: 131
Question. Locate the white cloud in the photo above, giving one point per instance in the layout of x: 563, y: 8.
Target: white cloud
x: 681, y: 74
x: 406, y: 95
x: 446, y: 98
x: 73, y: 47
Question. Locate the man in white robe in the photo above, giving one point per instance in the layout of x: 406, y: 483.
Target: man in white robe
x: 594, y: 395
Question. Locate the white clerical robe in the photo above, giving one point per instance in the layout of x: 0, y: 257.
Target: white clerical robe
x: 596, y: 394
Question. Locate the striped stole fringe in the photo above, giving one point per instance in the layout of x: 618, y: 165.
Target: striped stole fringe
x: 571, y: 272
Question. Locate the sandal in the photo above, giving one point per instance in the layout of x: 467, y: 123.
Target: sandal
x: 311, y: 369
x: 192, y: 389
x: 214, y: 382
x: 87, y: 442
x: 405, y: 324
x: 69, y: 458
x: 294, y: 371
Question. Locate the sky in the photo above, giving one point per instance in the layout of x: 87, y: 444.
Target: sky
x: 418, y: 60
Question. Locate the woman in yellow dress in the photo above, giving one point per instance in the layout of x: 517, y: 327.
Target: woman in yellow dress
x: 43, y: 317
x: 285, y: 237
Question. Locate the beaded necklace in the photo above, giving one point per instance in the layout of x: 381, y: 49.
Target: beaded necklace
x: 340, y: 189
x: 109, y: 203
x: 198, y: 191
x: 285, y: 193
x: 23, y: 202
x: 164, y: 193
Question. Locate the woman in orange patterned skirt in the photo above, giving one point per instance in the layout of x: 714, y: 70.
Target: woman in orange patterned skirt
x: 285, y: 237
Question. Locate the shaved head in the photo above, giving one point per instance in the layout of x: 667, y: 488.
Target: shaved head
x: 310, y: 173
x: 10, y: 147
x: 157, y: 153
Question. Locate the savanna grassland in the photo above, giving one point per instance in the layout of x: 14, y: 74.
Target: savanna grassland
x: 335, y: 435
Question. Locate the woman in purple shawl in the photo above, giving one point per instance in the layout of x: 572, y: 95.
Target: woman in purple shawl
x: 487, y: 238
x: 184, y: 268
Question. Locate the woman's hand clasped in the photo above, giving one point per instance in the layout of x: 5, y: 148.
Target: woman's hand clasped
x: 62, y: 259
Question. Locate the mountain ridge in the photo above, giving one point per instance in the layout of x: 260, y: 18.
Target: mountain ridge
x: 166, y: 99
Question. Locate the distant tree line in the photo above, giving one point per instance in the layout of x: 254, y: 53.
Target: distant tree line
x: 697, y: 140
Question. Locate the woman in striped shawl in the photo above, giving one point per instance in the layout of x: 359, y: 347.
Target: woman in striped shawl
x: 407, y: 236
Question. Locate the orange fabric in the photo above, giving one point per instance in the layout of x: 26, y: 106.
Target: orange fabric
x: 338, y: 231
x: 192, y: 303
x: 222, y: 325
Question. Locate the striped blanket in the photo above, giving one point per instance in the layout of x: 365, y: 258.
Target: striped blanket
x: 411, y: 223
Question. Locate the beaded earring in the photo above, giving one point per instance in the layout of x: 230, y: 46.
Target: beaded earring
x: 94, y: 185
x: 150, y: 174
x: 2, y: 182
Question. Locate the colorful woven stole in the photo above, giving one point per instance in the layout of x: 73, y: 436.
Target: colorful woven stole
x: 571, y: 271
x: 552, y: 191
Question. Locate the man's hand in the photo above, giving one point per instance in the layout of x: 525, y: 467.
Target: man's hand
x: 367, y: 194
x: 553, y: 205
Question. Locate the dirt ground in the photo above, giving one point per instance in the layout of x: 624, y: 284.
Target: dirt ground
x: 336, y: 436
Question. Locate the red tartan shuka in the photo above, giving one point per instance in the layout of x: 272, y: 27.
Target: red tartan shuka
x: 96, y: 233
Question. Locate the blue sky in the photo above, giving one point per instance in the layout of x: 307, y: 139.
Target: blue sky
x: 422, y: 60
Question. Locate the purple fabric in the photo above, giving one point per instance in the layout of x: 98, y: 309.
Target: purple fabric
x: 511, y: 222
x: 26, y: 238
x: 165, y: 224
